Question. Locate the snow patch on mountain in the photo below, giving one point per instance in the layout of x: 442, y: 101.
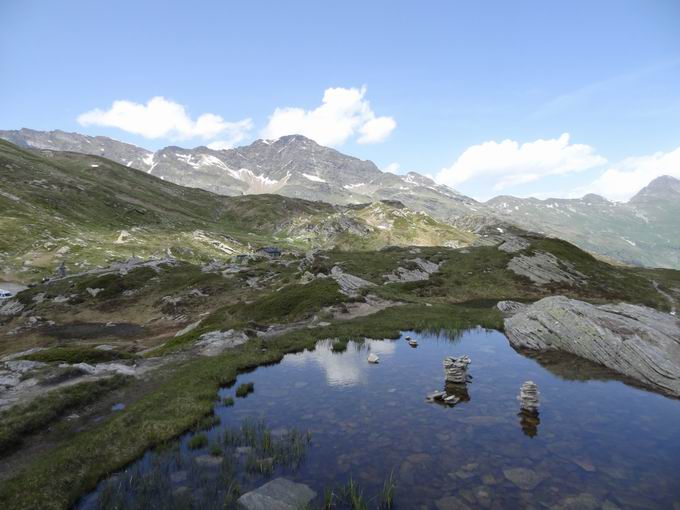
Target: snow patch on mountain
x: 313, y: 178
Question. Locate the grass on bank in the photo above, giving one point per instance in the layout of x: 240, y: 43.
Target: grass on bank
x: 59, y: 477
x: 17, y: 423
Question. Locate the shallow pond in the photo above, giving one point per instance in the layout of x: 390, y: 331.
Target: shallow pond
x: 598, y: 443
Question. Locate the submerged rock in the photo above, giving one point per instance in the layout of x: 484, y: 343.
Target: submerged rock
x: 525, y: 479
x: 632, y: 340
x: 279, y: 494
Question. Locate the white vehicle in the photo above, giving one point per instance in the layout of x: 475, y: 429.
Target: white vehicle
x: 4, y: 294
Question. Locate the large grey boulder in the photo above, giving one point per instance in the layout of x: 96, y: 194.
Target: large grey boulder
x: 636, y: 341
x: 279, y: 494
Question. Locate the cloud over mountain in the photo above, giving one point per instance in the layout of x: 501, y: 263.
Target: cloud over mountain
x: 343, y: 113
x: 508, y: 162
x: 626, y: 178
x: 163, y: 118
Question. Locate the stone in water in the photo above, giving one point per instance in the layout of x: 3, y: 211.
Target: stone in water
x: 528, y: 397
x: 456, y: 369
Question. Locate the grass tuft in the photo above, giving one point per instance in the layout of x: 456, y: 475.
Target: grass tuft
x: 245, y: 389
x: 198, y: 441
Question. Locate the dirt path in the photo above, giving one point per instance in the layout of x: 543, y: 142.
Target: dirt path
x: 670, y: 299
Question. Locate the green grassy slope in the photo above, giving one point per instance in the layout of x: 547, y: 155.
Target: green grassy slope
x: 88, y: 211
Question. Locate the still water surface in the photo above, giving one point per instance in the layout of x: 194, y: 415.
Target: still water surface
x: 598, y: 443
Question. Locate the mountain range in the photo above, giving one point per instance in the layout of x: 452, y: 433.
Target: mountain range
x: 642, y: 231
x: 88, y: 211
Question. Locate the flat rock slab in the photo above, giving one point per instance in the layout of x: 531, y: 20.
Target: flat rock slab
x: 543, y: 268
x: 279, y: 494
x: 349, y: 284
x: 525, y: 479
x: 216, y: 342
x: 636, y: 341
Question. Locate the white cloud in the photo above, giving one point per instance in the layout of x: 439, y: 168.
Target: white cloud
x: 236, y: 132
x: 377, y: 130
x: 625, y: 179
x: 162, y: 118
x: 392, y: 168
x: 508, y: 163
x: 343, y: 113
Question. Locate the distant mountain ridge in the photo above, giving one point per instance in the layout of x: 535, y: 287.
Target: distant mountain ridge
x: 643, y: 231
x: 293, y: 166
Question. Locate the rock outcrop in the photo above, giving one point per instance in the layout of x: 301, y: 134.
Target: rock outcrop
x: 216, y: 342
x: 510, y: 308
x: 513, y: 244
x: 349, y: 284
x: 543, y: 268
x: 11, y: 307
x: 633, y: 340
x: 421, y: 270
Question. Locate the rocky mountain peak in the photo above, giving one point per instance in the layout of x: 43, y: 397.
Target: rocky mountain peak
x: 661, y: 188
x: 594, y: 198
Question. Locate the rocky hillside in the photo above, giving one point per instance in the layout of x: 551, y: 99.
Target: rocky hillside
x: 292, y: 166
x: 643, y: 231
x: 88, y: 211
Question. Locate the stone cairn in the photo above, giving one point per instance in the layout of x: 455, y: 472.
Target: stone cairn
x: 528, y: 397
x: 455, y: 370
x: 528, y: 412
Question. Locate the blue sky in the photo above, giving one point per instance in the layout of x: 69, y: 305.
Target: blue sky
x: 462, y: 91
